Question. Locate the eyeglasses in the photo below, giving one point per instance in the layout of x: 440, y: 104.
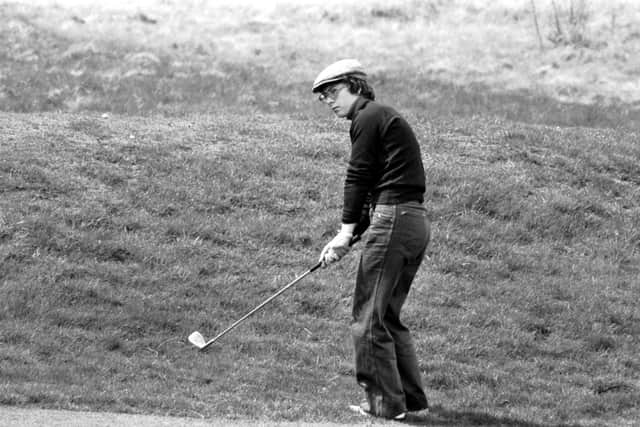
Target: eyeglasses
x: 330, y: 94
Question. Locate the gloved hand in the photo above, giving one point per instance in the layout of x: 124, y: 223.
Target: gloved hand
x: 338, y: 246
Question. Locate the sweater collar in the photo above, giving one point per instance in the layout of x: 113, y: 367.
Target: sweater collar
x: 358, y: 105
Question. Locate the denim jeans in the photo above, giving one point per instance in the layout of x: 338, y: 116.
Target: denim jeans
x: 386, y: 362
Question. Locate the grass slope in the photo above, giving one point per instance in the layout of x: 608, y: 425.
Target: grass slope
x: 120, y: 235
x: 147, y: 192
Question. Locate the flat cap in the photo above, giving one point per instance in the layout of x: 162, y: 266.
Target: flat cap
x: 338, y: 71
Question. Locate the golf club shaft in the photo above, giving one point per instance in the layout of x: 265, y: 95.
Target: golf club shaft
x: 268, y: 300
x: 265, y: 302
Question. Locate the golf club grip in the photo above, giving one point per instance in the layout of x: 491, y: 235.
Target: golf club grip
x: 354, y: 240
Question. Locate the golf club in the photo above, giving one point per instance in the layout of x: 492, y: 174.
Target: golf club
x: 199, y: 341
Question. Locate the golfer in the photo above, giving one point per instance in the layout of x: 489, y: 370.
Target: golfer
x: 384, y: 180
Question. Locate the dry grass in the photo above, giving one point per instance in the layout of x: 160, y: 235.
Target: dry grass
x: 461, y: 42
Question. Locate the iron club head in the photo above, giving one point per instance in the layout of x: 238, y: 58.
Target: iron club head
x: 197, y: 339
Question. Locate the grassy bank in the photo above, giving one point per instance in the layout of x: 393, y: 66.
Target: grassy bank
x: 120, y: 235
x: 148, y: 191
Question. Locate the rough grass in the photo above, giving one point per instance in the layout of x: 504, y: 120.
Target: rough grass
x: 115, y: 249
x: 138, y: 207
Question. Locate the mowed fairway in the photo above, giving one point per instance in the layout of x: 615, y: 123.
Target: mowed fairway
x: 164, y: 169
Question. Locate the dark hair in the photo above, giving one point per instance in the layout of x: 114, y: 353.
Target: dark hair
x: 359, y: 86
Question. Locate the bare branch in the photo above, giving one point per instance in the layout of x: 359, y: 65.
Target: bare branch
x: 535, y: 21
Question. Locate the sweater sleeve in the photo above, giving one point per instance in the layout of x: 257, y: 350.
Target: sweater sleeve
x: 363, y: 169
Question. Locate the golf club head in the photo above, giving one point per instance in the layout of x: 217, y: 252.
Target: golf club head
x: 197, y: 339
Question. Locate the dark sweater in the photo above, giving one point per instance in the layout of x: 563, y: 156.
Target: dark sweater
x: 385, y: 160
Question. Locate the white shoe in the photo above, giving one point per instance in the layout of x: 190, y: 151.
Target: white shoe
x: 363, y: 409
